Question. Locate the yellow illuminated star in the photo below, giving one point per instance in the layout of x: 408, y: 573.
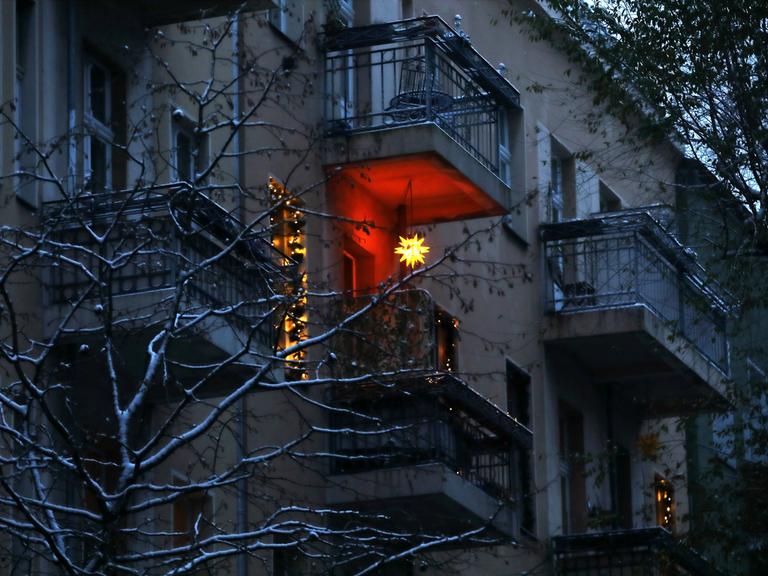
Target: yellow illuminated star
x: 412, y: 250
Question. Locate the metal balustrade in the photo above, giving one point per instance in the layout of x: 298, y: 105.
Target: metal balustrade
x: 404, y: 331
x: 641, y: 552
x: 413, y: 72
x: 414, y: 425
x: 144, y: 249
x: 627, y: 259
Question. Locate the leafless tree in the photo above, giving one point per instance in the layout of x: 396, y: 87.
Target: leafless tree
x: 175, y: 381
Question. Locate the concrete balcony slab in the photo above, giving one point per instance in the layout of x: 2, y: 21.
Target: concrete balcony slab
x: 429, y: 497
x: 642, y: 354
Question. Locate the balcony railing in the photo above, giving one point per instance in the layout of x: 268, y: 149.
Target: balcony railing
x: 651, y: 551
x: 626, y: 259
x: 405, y: 330
x: 412, y: 72
x: 436, y: 419
x: 144, y: 249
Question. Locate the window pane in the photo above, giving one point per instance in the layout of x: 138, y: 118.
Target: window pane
x: 99, y: 165
x: 98, y: 95
x: 504, y: 171
x: 184, y: 161
x: 503, y: 129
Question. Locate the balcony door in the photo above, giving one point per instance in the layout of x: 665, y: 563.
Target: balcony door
x: 357, y: 269
x: 573, y: 489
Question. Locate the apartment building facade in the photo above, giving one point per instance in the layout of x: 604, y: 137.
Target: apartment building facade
x: 511, y: 401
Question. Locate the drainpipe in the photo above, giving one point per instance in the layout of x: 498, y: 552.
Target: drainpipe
x: 71, y: 107
x: 612, y: 473
x: 242, y: 430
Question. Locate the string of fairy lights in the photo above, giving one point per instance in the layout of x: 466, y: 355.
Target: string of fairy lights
x: 665, y: 504
x: 289, y: 237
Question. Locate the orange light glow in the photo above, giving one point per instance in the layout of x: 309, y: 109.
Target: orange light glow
x: 412, y: 250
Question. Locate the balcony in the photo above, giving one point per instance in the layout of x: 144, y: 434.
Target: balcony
x: 651, y: 551
x: 404, y: 331
x: 435, y: 456
x: 155, y: 13
x: 413, y: 103
x: 151, y: 241
x: 632, y: 305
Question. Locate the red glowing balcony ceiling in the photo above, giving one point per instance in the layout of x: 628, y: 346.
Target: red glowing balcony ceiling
x: 440, y: 191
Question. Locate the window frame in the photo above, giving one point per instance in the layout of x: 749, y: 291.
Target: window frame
x: 556, y: 192
x: 505, y: 154
x: 95, y: 129
x: 206, y: 501
x: 183, y: 124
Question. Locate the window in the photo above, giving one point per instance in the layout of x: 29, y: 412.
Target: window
x: 99, y: 137
x: 562, y: 184
x: 573, y: 488
x: 505, y: 157
x: 192, y: 517
x: 190, y: 150
x: 518, y: 393
x: 341, y: 82
x: 349, y: 272
x: 185, y: 156
x: 556, y: 191
x: 609, y: 202
x: 25, y: 99
x: 288, y: 18
x: 358, y: 268
x: 519, y: 407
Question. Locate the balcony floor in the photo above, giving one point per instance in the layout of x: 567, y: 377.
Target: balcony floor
x: 429, y: 497
x: 636, y: 350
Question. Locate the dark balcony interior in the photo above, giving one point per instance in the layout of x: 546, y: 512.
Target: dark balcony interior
x: 404, y: 331
x: 151, y: 240
x: 634, y: 306
x: 428, y: 451
x: 398, y: 81
x: 651, y: 551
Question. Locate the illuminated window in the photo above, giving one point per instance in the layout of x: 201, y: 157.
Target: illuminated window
x: 664, y: 499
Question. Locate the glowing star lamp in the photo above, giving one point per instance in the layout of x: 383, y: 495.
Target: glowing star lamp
x: 412, y: 250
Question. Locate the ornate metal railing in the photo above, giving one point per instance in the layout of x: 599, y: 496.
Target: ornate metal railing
x: 403, y: 331
x: 651, y: 551
x: 412, y: 72
x: 626, y: 259
x: 434, y: 419
x: 129, y: 243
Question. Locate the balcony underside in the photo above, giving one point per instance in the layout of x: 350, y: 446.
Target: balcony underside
x: 160, y: 12
x: 430, y: 498
x: 447, y: 183
x: 634, y: 349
